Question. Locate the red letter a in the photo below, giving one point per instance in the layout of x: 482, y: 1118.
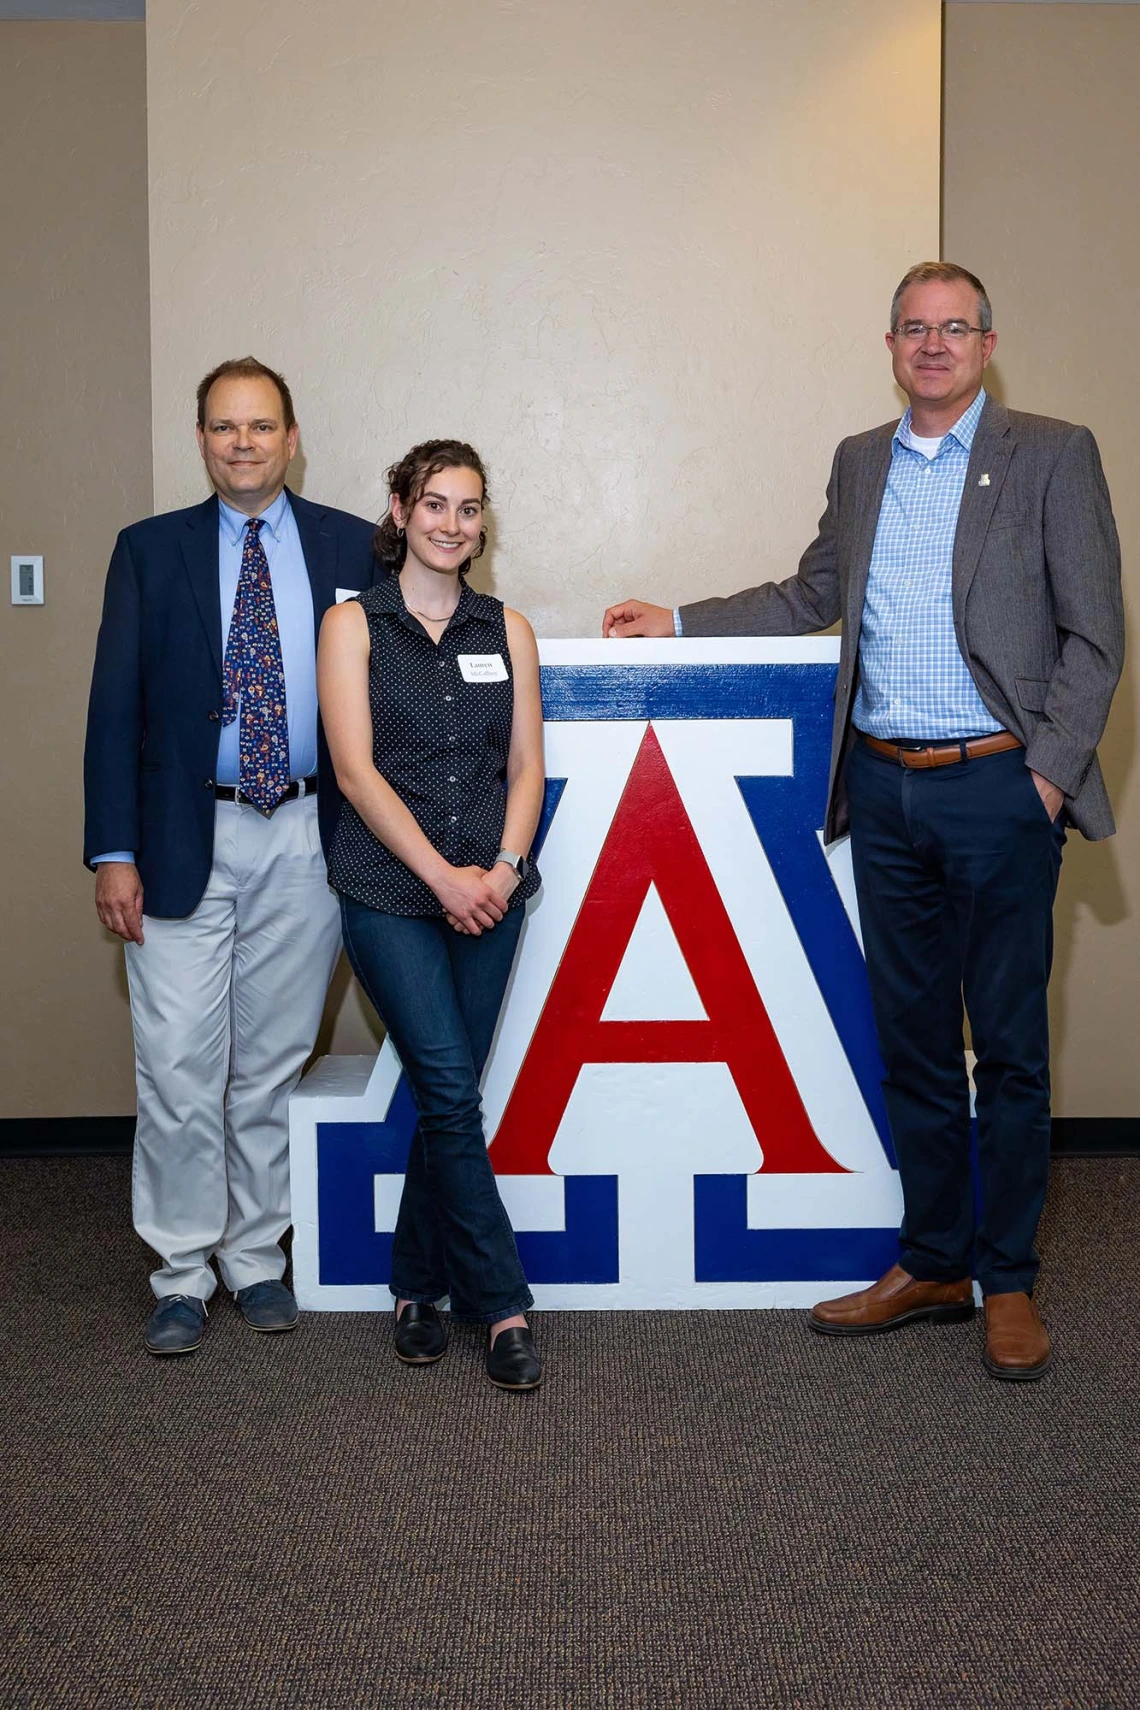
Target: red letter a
x: 652, y: 840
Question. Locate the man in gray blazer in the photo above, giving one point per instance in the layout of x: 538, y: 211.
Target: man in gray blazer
x: 971, y: 554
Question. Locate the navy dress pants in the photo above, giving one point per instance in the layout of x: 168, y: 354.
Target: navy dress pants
x: 956, y: 871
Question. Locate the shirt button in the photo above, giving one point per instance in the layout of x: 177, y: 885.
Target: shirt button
x: 451, y: 780
x: 209, y: 783
x: 454, y: 818
x: 212, y: 716
x: 447, y: 697
x: 451, y: 739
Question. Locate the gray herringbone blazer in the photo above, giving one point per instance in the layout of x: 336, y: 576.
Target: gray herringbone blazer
x: 1036, y: 588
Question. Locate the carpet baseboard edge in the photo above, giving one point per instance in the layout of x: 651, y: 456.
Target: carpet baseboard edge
x: 92, y: 1136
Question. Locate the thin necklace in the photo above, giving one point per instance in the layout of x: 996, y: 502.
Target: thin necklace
x: 427, y: 617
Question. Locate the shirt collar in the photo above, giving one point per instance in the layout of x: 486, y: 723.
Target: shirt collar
x: 389, y: 598
x: 232, y: 522
x: 963, y: 429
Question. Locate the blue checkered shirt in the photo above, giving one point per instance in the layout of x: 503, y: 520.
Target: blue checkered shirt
x: 913, y: 681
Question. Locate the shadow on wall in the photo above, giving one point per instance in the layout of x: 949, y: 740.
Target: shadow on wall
x: 343, y: 990
x: 1091, y: 872
x: 482, y: 576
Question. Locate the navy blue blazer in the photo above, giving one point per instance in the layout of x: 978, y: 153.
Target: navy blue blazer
x: 154, y: 718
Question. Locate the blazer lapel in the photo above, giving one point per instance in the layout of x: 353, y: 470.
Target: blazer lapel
x: 319, y: 545
x: 871, y: 484
x: 985, y: 473
x: 200, y: 554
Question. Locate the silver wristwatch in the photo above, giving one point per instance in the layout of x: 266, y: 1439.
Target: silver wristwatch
x: 518, y: 863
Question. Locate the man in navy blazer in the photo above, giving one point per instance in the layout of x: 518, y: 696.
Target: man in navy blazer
x: 208, y: 798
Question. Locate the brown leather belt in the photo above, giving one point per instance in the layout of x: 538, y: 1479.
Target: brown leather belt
x: 943, y: 753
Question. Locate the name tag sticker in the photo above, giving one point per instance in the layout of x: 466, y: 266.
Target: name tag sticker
x: 343, y: 594
x: 482, y: 667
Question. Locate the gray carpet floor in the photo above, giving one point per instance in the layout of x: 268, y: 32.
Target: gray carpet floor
x: 711, y: 1510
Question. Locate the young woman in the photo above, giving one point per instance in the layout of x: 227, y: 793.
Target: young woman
x: 429, y: 694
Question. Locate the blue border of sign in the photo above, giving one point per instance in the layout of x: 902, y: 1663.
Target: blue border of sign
x: 786, y: 813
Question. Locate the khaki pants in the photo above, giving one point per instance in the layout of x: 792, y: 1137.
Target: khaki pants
x: 225, y: 1006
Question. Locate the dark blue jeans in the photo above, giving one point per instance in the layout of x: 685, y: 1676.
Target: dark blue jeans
x: 438, y: 993
x: 956, y: 870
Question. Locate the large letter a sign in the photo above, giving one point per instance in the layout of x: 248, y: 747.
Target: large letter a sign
x: 683, y: 1103
x: 651, y: 844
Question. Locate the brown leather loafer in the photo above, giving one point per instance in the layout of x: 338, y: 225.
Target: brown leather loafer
x: 1017, y: 1343
x: 896, y: 1299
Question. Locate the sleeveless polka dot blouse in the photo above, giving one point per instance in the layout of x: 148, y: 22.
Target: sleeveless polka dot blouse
x: 441, y: 732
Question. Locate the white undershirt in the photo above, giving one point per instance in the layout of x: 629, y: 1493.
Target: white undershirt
x: 928, y: 447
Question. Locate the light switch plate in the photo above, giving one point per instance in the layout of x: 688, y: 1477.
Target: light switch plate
x: 27, y: 579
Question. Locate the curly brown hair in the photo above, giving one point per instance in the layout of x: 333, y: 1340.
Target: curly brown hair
x: 407, y: 480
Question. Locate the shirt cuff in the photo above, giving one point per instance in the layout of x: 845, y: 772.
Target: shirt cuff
x: 677, y: 630
x: 115, y: 855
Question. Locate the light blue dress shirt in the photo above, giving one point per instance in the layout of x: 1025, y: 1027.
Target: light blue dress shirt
x: 293, y: 602
x: 913, y: 681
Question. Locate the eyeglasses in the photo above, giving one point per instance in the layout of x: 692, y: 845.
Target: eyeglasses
x: 953, y: 331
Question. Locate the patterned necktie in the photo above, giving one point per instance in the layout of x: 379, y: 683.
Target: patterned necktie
x: 253, y: 670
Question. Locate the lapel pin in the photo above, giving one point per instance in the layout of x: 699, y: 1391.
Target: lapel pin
x: 983, y: 480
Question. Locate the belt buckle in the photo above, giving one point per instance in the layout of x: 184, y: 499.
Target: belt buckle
x: 265, y: 812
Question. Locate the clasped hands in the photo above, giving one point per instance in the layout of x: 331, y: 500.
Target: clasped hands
x: 475, y: 898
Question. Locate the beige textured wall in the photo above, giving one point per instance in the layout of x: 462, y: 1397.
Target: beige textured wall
x: 1042, y: 136
x: 75, y: 466
x: 643, y: 267
x: 639, y: 255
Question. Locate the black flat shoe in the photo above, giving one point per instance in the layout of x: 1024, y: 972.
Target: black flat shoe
x: 512, y: 1360
x: 420, y: 1338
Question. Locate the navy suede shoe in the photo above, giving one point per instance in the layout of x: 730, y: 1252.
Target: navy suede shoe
x: 176, y: 1326
x: 268, y: 1306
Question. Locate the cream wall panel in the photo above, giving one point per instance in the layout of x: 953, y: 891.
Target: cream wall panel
x: 641, y: 256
